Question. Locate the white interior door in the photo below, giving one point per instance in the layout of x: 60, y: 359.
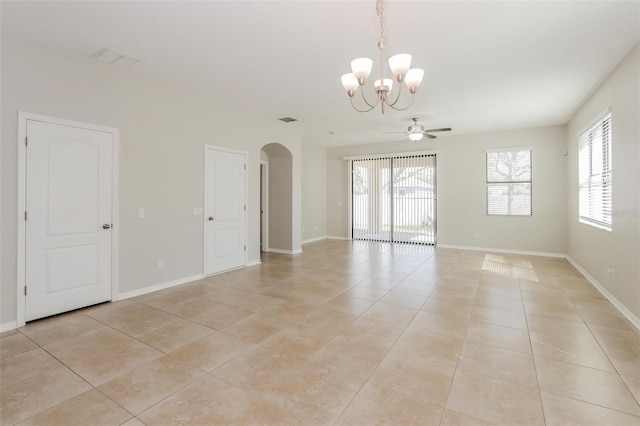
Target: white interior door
x: 225, y: 178
x: 68, y: 227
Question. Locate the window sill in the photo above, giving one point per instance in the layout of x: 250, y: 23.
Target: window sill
x: 595, y: 225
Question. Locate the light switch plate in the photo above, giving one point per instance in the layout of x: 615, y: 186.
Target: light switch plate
x: 140, y: 213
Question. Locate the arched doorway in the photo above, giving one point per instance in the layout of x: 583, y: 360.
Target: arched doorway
x: 277, y: 198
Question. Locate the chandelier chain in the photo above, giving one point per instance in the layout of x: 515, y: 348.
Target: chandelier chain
x: 380, y: 5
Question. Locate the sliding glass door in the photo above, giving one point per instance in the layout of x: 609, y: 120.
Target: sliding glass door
x: 394, y: 199
x: 371, y: 195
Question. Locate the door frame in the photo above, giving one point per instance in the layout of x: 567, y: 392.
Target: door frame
x: 264, y: 217
x: 350, y: 199
x: 23, y: 118
x: 245, y: 222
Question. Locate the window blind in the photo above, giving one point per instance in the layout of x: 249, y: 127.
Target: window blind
x: 394, y: 199
x: 509, y: 182
x: 594, y: 175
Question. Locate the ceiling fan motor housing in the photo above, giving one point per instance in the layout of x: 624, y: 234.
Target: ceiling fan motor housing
x: 416, y: 128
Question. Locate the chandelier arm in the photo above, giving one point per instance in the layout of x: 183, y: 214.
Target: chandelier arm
x: 366, y: 101
x: 402, y: 109
x: 397, y: 98
x: 361, y: 110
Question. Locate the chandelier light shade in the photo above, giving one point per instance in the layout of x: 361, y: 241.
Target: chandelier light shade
x: 361, y: 68
x: 413, y: 79
x: 386, y: 85
x: 400, y: 66
x: 350, y: 83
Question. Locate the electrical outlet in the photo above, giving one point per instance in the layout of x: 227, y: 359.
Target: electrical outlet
x: 160, y: 263
x: 476, y: 235
x: 140, y: 213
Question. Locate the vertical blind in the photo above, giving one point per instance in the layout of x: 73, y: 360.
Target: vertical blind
x: 509, y: 182
x: 394, y: 199
x: 594, y: 174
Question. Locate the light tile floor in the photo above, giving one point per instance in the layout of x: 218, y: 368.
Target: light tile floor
x: 346, y: 333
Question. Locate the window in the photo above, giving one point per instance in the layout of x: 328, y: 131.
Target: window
x: 509, y: 182
x: 594, y: 174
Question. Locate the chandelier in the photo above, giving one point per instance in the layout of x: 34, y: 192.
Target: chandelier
x: 400, y: 68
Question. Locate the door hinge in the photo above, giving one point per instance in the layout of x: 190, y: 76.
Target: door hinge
x: 245, y: 207
x: 25, y: 290
x: 245, y: 167
x: 26, y: 141
x: 25, y: 216
x: 245, y: 249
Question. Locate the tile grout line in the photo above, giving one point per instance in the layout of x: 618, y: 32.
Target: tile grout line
x: 78, y: 375
x: 375, y: 369
x: 606, y: 354
x: 455, y: 370
x: 533, y: 358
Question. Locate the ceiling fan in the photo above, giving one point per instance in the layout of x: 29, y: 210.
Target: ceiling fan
x: 415, y: 132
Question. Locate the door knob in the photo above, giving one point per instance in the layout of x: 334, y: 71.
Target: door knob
x: 106, y: 226
x: 210, y: 217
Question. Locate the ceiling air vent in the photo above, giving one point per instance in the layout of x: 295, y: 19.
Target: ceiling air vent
x: 288, y: 119
x: 112, y: 57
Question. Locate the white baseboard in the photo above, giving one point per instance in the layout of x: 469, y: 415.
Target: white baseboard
x: 495, y: 250
x: 8, y: 326
x: 162, y: 286
x: 313, y: 240
x: 13, y: 324
x: 329, y: 237
x: 253, y: 263
x: 272, y: 250
x: 614, y: 301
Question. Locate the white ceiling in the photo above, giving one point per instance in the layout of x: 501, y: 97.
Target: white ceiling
x: 488, y: 65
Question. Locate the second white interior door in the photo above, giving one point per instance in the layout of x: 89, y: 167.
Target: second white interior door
x: 225, y: 209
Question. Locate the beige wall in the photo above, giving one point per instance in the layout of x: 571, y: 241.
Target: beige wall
x: 314, y: 192
x: 162, y: 134
x: 594, y: 249
x: 461, y: 190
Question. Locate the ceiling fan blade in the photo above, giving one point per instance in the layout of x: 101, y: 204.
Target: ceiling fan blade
x: 429, y: 136
x: 401, y: 137
x: 406, y: 133
x: 444, y: 129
